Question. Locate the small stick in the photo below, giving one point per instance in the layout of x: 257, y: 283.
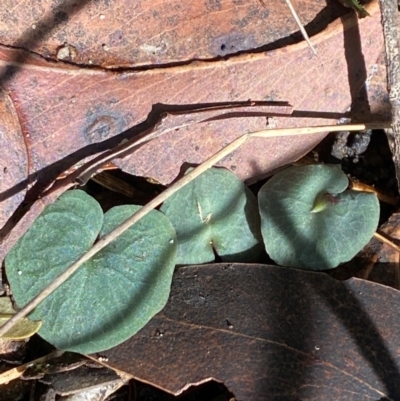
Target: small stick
x: 104, y: 241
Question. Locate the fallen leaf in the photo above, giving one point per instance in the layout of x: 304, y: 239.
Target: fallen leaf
x: 15, y: 373
x: 270, y: 332
x: 66, y: 108
x: 83, y: 379
x: 25, y: 328
x: 69, y: 113
x: 112, y: 34
x: 14, y: 163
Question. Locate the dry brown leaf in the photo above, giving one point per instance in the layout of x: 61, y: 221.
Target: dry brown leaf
x: 270, y: 332
x: 66, y: 112
x: 63, y: 108
x: 13, y: 160
x: 120, y: 34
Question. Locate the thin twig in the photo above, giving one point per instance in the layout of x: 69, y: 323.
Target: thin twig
x: 104, y: 241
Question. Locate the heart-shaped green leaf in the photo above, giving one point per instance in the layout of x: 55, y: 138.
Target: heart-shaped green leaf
x: 215, y: 212
x: 309, y: 220
x: 111, y: 296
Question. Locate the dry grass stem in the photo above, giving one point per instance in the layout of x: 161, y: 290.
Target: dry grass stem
x: 383, y: 197
x: 300, y: 25
x: 387, y: 241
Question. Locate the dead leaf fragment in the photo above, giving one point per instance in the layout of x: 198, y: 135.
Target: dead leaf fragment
x: 82, y: 379
x: 270, y: 332
x: 25, y: 328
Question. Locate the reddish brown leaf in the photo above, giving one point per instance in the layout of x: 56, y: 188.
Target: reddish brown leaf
x: 122, y: 34
x: 13, y: 162
x: 271, y: 333
x: 66, y: 112
x: 64, y: 109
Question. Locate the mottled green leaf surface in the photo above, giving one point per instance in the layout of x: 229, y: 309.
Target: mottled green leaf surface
x: 309, y: 219
x: 61, y: 234
x: 214, y: 211
x: 111, y: 296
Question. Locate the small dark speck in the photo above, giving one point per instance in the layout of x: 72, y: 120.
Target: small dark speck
x: 196, y: 148
x: 159, y: 333
x: 233, y: 168
x: 223, y: 47
x: 229, y: 324
x: 5, y: 170
x: 60, y: 16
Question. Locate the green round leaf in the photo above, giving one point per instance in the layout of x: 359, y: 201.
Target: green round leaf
x: 111, y: 296
x: 61, y: 234
x: 309, y: 220
x: 214, y: 211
